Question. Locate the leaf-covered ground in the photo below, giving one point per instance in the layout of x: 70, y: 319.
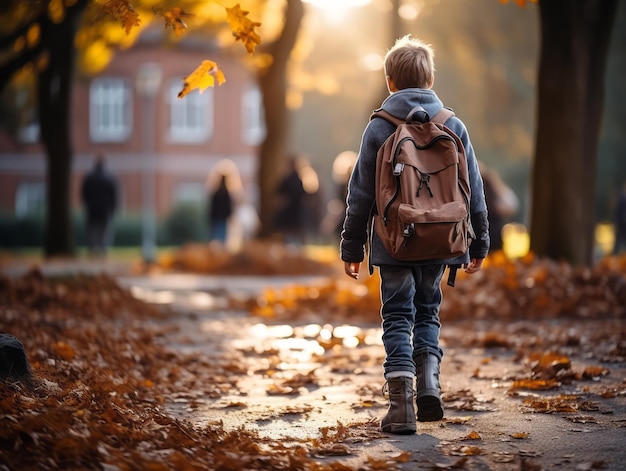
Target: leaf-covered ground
x: 122, y: 384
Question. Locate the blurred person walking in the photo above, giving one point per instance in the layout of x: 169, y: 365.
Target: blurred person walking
x: 290, y: 200
x: 502, y: 204
x: 220, y: 209
x: 99, y: 196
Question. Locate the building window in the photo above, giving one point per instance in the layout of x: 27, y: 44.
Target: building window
x: 253, y: 116
x: 110, y: 110
x: 30, y: 199
x: 29, y: 133
x: 191, y: 118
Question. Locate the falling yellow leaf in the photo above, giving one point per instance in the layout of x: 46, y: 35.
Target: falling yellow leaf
x: 203, y: 77
x: 122, y: 11
x: 242, y: 27
x: 174, y: 19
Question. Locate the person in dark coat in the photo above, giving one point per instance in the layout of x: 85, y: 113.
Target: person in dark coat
x: 99, y: 196
x: 289, y: 216
x: 220, y: 211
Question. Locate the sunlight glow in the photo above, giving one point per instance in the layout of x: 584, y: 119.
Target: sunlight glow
x: 262, y: 331
x: 336, y: 10
x: 515, y: 240
x: 409, y: 12
x: 152, y: 296
x: 336, y: 5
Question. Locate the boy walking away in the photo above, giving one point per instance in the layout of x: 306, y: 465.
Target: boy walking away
x: 410, y: 290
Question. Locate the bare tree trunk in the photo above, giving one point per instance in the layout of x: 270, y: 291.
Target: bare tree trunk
x: 54, y: 93
x: 273, y: 84
x: 574, y: 48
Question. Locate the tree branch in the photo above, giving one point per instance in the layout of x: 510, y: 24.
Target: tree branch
x: 8, y: 39
x: 10, y: 67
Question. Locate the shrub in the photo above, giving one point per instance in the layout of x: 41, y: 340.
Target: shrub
x: 185, y: 223
x: 26, y: 231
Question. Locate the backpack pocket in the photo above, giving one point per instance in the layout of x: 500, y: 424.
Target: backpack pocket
x: 453, y: 211
x: 435, y: 233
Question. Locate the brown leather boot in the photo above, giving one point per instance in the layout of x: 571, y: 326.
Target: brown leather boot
x: 400, y: 418
x: 429, y: 403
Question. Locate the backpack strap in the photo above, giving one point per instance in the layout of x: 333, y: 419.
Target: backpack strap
x: 452, y: 274
x: 440, y: 118
x: 380, y: 113
x: 444, y: 115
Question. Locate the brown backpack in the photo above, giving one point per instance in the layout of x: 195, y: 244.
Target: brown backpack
x: 422, y: 189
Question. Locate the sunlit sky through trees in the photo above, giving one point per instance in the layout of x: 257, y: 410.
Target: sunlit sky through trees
x: 486, y: 55
x: 486, y: 59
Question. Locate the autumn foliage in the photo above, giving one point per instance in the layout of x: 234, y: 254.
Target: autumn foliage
x: 100, y: 381
x: 103, y: 376
x: 506, y: 288
x: 208, y: 73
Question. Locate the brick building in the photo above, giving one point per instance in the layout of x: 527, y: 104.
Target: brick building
x: 173, y: 144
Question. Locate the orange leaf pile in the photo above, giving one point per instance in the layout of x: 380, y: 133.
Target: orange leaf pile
x: 256, y: 258
x: 101, y: 378
x: 528, y: 288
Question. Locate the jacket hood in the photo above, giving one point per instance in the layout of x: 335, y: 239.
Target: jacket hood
x: 400, y: 103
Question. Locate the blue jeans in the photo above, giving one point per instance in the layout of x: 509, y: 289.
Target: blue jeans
x: 411, y: 297
x: 218, y: 231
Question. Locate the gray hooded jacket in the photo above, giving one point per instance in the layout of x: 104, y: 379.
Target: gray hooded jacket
x: 361, y: 191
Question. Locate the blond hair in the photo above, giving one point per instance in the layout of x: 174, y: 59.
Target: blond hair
x: 410, y: 63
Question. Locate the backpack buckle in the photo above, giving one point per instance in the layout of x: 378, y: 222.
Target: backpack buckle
x: 409, y: 230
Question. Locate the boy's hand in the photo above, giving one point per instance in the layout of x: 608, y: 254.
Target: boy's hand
x: 474, y: 265
x: 352, y: 269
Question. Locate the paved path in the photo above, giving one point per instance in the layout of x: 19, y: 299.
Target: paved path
x: 308, y: 380
x: 293, y: 389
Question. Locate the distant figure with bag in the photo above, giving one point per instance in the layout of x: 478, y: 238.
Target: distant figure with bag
x: 502, y: 204
x: 410, y: 289
x: 99, y: 196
